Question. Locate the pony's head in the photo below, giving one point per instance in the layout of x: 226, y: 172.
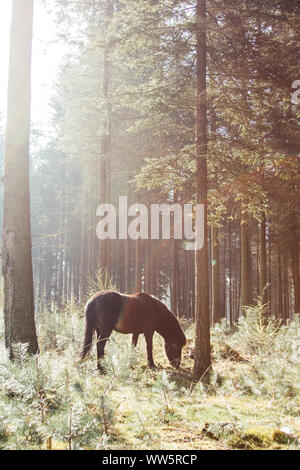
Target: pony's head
x: 173, y: 352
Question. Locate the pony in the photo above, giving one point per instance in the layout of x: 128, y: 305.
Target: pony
x: 135, y: 314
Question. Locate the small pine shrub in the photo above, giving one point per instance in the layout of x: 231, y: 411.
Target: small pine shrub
x: 271, y: 365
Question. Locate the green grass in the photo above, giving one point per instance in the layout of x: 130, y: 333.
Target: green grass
x: 56, y: 402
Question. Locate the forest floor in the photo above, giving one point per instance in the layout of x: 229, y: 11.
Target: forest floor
x: 56, y: 401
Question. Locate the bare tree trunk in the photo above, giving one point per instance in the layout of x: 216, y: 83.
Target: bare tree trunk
x: 127, y: 266
x: 16, y: 237
x: 127, y: 253
x: 296, y: 277
x: 61, y: 248
x: 83, y: 264
x: 286, y: 299
x: 263, y: 265
x: 105, y: 163
x: 148, y: 266
x: 279, y: 313
x: 154, y: 268
x: 216, y: 301
x: 231, y: 315
x: 270, y: 287
x: 202, y: 362
x: 222, y: 275
x: 192, y: 268
x: 76, y: 275
x: 246, y: 293
x: 187, y: 306
x: 138, y: 266
x: 215, y: 258
x: 66, y: 238
x: 175, y: 276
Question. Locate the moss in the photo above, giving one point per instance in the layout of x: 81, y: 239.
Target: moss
x: 252, y: 438
x: 282, y: 437
x: 257, y: 439
x: 237, y: 442
x: 259, y: 436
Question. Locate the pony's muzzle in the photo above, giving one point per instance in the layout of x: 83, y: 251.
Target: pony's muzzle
x: 175, y: 363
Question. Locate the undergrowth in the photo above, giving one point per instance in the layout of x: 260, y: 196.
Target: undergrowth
x: 55, y: 401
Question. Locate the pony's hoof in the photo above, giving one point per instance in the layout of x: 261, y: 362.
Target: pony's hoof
x: 152, y: 366
x: 101, y: 369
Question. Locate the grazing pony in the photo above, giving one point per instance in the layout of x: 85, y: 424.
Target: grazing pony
x: 137, y: 314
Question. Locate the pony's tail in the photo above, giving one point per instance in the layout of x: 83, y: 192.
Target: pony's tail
x: 89, y: 329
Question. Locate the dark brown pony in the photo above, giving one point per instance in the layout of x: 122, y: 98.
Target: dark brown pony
x: 137, y: 314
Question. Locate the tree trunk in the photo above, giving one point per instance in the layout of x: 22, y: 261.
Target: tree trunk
x: 263, y: 265
x: 175, y: 274
x: 148, y: 266
x: 216, y: 300
x: 138, y: 266
x: 202, y: 353
x: 16, y: 236
x: 270, y: 287
x: 246, y: 293
x: 231, y: 315
x: 296, y: 278
x: 286, y: 297
x: 127, y: 285
x: 105, y: 162
x: 279, y: 312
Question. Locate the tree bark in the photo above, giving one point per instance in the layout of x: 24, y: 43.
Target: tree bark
x: 202, y: 353
x: 175, y: 270
x: 286, y: 296
x: 231, y: 314
x: 246, y: 291
x: 16, y: 236
x: 138, y: 266
x: 105, y: 162
x: 296, y: 277
x: 216, y: 300
x: 263, y: 266
x: 279, y: 312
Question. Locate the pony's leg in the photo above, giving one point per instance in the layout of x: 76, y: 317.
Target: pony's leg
x: 134, y: 341
x: 135, y: 338
x: 149, y: 338
x: 102, y: 337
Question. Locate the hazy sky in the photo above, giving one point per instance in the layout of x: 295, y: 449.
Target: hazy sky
x: 46, y: 56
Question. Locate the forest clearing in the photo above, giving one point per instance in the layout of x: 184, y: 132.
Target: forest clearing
x: 150, y: 191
